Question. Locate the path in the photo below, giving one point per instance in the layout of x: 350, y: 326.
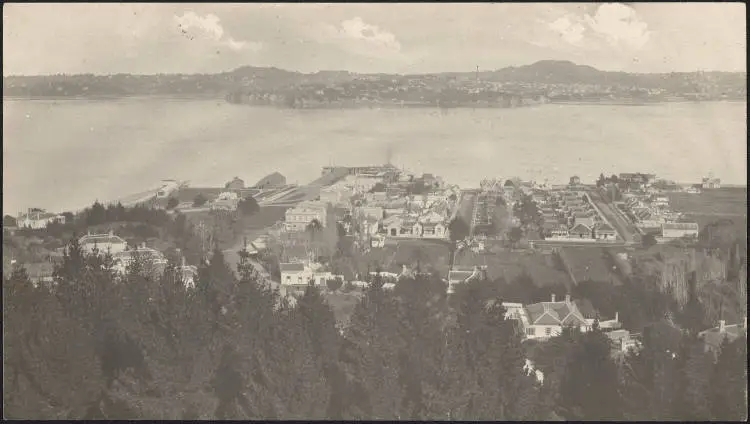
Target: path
x: 623, y: 228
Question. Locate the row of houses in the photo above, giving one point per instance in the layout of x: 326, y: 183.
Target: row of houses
x: 652, y: 213
x: 568, y: 214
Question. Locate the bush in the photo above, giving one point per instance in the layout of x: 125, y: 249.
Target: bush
x: 199, y: 200
x: 648, y: 240
x: 172, y: 203
x: 334, y: 284
x: 248, y: 206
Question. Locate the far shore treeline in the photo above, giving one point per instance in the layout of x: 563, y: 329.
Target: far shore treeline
x: 548, y: 80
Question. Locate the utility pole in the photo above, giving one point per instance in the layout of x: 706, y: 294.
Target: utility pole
x: 477, y: 73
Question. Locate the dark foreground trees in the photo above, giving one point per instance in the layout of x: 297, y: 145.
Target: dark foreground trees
x: 142, y: 346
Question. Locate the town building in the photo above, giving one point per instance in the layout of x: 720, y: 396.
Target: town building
x: 235, y: 184
x: 151, y: 258
x: 274, y: 180
x: 580, y: 231
x: 297, y: 218
x: 710, y: 182
x: 102, y: 243
x: 604, y: 232
x: 227, y: 201
x: 560, y: 231
x: 295, y: 277
x: 672, y: 230
x: 547, y: 319
x: 587, y: 218
x: 38, y: 219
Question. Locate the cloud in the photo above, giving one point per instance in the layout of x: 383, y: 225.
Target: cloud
x: 209, y: 27
x: 569, y: 30
x: 619, y: 24
x: 363, y: 38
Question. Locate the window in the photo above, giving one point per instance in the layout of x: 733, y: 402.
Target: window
x: 530, y: 331
x: 548, y: 331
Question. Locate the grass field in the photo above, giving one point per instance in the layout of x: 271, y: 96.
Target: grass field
x: 589, y: 263
x: 510, y: 265
x: 718, y: 202
x: 713, y: 205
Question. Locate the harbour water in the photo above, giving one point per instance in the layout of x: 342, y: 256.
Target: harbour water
x: 62, y: 155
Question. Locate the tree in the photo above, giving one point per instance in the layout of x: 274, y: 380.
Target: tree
x: 248, y: 206
x: 199, y: 200
x: 334, y: 284
x: 648, y: 240
x: 172, y: 203
x: 514, y: 235
x: 728, y: 397
x: 97, y: 215
x: 589, y: 387
x: 458, y: 229
x: 527, y: 212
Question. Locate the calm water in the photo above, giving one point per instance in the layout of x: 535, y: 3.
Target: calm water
x: 62, y: 155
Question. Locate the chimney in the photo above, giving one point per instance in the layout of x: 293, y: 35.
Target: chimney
x: 143, y: 245
x: 722, y: 326
x: 617, y: 317
x: 567, y: 299
x: 553, y: 297
x: 622, y: 344
x: 183, y: 261
x: 111, y: 233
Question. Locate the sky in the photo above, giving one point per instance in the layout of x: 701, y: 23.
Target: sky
x: 369, y: 38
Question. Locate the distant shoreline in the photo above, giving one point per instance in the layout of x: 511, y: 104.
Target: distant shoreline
x: 373, y: 105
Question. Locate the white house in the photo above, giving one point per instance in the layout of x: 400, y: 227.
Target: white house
x: 297, y: 276
x: 103, y: 243
x: 370, y: 212
x: 671, y: 230
x: 37, y: 219
x: 547, y: 319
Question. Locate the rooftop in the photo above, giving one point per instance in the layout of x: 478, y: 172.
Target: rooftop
x: 296, y: 267
x: 680, y: 226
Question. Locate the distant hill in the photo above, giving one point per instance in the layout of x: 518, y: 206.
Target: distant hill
x: 264, y: 78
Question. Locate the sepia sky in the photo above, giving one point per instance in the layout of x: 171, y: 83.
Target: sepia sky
x: 405, y: 38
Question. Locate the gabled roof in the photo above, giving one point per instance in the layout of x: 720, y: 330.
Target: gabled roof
x: 580, y: 228
x: 555, y: 313
x: 295, y: 267
x: 101, y: 239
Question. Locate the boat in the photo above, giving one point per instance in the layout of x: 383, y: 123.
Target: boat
x: 692, y: 190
